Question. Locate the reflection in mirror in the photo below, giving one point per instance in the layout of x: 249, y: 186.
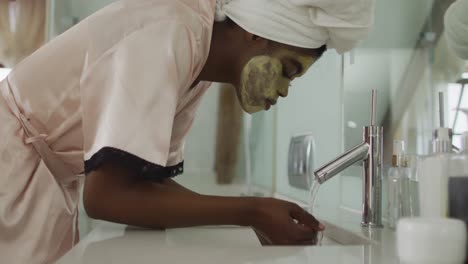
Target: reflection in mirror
x: 457, y: 98
x: 22, y: 29
x: 4, y: 73
x: 409, y: 61
x: 408, y: 68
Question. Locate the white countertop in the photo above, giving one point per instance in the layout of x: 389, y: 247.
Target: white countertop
x: 112, y: 243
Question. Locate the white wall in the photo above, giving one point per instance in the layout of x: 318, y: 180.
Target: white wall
x: 84, y: 8
x: 398, y: 23
x: 315, y: 106
x: 262, y: 149
x: 66, y: 13
x: 200, y: 146
x: 380, y: 63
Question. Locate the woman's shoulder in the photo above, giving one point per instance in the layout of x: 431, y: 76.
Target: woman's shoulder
x: 117, y: 21
x: 192, y: 12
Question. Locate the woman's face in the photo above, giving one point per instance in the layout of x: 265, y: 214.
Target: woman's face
x: 265, y: 78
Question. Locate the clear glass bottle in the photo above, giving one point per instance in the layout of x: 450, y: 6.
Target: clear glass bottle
x: 399, y: 203
x: 412, y: 162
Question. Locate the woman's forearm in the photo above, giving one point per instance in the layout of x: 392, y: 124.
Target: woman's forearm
x: 177, y: 186
x: 111, y: 194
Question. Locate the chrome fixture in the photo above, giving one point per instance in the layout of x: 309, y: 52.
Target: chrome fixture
x: 301, y: 161
x: 370, y: 152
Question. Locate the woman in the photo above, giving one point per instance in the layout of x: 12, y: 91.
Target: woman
x: 115, y: 96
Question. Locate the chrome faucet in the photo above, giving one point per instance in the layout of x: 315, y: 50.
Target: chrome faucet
x: 370, y: 152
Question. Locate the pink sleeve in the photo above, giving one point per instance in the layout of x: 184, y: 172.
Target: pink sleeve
x: 130, y: 95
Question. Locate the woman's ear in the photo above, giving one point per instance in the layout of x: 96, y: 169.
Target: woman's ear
x: 255, y: 37
x: 256, y: 40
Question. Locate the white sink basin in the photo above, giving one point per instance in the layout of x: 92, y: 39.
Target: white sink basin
x: 120, y: 244
x: 245, y: 237
x: 212, y: 237
x: 337, y: 236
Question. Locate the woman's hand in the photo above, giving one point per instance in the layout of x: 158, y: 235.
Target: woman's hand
x: 279, y: 222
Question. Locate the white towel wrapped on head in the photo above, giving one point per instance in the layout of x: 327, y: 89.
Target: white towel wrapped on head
x: 339, y: 24
x: 456, y: 27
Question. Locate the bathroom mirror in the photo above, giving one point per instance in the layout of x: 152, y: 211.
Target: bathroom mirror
x: 22, y: 29
x: 408, y: 62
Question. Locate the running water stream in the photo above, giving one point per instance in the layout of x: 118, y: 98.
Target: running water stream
x: 314, y: 189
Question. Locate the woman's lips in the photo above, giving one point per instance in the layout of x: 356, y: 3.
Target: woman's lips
x: 269, y: 103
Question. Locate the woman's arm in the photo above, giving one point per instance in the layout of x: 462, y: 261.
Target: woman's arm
x: 113, y: 193
x: 177, y: 186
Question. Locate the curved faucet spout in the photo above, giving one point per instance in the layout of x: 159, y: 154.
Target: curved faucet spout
x: 370, y: 153
x: 329, y: 170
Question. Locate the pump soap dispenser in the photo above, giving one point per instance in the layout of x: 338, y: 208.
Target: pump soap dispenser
x: 464, y: 141
x: 433, y: 171
x: 458, y: 181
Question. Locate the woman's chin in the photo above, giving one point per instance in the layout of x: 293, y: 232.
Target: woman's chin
x: 252, y: 109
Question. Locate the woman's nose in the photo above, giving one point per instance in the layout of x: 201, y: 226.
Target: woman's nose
x: 283, y: 92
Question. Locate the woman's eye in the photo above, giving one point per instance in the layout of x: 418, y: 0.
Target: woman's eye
x: 293, y: 72
x: 298, y: 67
x: 292, y: 69
x: 289, y: 72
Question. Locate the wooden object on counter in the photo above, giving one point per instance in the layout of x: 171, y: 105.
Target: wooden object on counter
x: 228, y: 135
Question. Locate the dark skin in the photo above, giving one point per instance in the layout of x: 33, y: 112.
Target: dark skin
x: 117, y: 194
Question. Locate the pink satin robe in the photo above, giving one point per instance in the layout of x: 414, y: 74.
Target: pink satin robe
x: 121, y: 78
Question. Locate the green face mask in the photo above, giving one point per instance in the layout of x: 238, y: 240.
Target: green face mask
x: 262, y: 81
